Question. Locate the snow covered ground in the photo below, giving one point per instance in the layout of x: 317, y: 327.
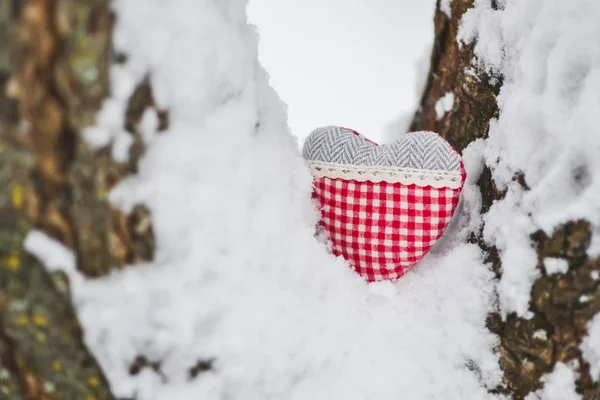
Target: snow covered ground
x: 238, y: 274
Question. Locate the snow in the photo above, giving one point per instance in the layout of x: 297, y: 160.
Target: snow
x: 558, y: 385
x: 540, y: 334
x: 55, y: 257
x: 121, y: 147
x: 238, y: 275
x: 110, y: 120
x: 50, y: 252
x: 584, y: 298
x: 443, y: 105
x: 508, y: 227
x: 445, y: 7
x: 149, y: 124
x: 546, y: 130
x: 556, y: 265
x: 590, y: 347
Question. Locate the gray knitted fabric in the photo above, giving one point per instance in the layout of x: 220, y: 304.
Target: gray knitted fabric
x: 419, y: 150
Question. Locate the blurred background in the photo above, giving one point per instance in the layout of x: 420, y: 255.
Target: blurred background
x: 354, y: 63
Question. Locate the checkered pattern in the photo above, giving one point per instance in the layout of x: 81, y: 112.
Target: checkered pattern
x: 382, y: 228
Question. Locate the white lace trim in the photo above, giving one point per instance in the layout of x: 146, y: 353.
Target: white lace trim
x: 406, y: 176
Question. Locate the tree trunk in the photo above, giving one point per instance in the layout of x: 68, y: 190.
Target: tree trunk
x: 524, y: 356
x: 54, y: 75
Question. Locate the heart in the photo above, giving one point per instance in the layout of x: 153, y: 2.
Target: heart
x: 383, y: 207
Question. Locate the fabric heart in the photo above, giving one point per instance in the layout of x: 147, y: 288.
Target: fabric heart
x: 383, y: 207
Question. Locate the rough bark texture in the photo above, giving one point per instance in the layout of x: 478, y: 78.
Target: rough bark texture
x: 64, y: 53
x: 555, y: 300
x: 54, y: 75
x: 42, y: 355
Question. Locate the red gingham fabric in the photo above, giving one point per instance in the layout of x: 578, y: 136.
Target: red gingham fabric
x: 382, y: 229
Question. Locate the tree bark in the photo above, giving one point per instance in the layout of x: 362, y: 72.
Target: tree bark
x: 42, y: 354
x: 524, y: 357
x: 54, y: 75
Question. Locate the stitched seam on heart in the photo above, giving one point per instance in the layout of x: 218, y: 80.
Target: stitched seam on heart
x: 406, y: 176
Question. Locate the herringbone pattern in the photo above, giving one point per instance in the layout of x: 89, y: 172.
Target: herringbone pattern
x: 419, y: 150
x: 335, y: 143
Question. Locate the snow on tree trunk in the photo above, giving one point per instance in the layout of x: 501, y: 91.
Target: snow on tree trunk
x: 525, y: 80
x: 163, y: 145
x: 42, y: 355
